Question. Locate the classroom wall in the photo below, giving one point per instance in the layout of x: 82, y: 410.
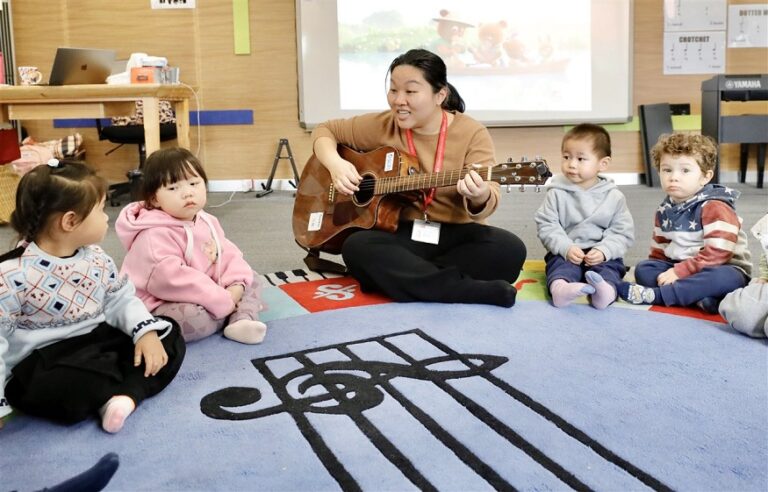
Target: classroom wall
x: 200, y: 42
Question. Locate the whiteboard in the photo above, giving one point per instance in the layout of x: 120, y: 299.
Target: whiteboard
x: 548, y: 62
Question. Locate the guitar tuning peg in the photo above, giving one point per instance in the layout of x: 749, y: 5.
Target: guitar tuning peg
x: 507, y: 188
x: 523, y: 159
x: 522, y: 188
x: 538, y: 189
x: 509, y: 159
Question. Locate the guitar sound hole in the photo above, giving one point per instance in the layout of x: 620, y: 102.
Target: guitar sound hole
x: 365, y: 193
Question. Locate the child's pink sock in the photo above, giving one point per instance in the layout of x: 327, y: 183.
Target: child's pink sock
x: 115, y: 411
x: 247, y: 331
x: 605, y: 293
x: 564, y: 293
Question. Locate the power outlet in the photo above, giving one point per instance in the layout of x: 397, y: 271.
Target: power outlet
x: 680, y: 109
x: 230, y: 185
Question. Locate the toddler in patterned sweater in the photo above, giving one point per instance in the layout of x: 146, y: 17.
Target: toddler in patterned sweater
x: 74, y: 338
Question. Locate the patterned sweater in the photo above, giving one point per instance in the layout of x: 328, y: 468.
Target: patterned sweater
x: 45, y: 299
x: 701, y: 232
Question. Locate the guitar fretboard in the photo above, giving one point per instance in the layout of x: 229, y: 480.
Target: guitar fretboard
x: 398, y: 184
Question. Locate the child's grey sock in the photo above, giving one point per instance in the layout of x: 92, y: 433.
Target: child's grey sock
x: 564, y: 293
x: 605, y: 293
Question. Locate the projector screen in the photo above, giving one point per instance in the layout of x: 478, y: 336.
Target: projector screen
x: 546, y: 62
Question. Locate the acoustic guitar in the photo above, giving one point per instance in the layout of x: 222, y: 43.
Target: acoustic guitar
x: 324, y: 218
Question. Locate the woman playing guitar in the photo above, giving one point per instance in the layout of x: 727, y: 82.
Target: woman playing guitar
x: 442, y: 250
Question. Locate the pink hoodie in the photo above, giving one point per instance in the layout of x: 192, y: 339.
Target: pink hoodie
x: 172, y: 260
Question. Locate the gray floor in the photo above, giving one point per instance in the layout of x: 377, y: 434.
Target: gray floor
x: 261, y: 227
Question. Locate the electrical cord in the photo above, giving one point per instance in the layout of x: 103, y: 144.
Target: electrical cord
x: 228, y: 200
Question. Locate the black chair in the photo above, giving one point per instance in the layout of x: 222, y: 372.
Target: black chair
x: 655, y: 120
x: 744, y: 159
x: 130, y: 134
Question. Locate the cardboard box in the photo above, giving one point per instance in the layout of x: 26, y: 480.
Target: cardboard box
x: 145, y: 75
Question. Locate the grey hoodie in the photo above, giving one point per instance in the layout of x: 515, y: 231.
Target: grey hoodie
x: 594, y: 218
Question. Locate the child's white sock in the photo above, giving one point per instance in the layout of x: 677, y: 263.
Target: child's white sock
x: 564, y: 293
x: 115, y: 411
x: 604, y: 294
x: 638, y: 294
x: 247, y: 331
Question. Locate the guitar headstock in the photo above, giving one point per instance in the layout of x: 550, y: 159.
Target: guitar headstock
x: 524, y: 172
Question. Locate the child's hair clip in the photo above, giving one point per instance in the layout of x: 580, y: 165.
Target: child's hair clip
x: 54, y: 163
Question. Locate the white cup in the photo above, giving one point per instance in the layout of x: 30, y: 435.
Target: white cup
x: 30, y: 76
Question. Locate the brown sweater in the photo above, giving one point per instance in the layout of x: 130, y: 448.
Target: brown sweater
x: 467, y: 142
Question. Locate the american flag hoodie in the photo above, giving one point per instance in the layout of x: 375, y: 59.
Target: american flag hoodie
x: 701, y: 232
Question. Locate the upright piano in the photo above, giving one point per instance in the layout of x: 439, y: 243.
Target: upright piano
x: 742, y: 129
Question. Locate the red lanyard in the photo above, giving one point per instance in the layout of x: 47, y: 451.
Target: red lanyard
x: 439, y: 156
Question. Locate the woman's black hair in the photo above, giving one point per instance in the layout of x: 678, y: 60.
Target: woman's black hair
x: 48, y: 190
x: 167, y: 166
x: 433, y: 69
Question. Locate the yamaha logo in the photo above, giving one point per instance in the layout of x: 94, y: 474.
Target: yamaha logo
x: 743, y: 84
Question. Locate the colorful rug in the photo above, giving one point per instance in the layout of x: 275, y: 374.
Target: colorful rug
x: 300, y: 291
x: 437, y: 397
x: 390, y: 396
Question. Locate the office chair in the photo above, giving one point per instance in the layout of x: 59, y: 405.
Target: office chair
x: 130, y: 134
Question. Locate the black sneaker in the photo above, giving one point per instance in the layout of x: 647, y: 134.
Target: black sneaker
x: 709, y: 305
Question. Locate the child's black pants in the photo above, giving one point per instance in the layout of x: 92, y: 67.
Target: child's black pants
x: 68, y: 381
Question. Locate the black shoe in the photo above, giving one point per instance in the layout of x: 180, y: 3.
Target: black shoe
x: 92, y: 480
x: 709, y: 305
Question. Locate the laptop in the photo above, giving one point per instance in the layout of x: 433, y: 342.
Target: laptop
x: 81, y: 66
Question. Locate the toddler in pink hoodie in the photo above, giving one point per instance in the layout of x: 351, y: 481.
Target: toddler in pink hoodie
x: 178, y: 258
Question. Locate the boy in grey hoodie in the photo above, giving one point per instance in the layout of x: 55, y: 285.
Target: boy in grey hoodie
x: 584, y: 222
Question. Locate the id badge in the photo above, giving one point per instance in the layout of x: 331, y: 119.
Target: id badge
x: 425, y: 231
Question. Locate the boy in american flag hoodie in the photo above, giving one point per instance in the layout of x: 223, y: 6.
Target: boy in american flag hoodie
x: 698, y: 250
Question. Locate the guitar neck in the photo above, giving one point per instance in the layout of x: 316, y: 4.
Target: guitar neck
x: 399, y: 184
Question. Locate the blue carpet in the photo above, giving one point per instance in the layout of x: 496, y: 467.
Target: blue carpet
x: 448, y: 397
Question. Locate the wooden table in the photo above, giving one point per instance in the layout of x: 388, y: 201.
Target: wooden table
x: 39, y: 102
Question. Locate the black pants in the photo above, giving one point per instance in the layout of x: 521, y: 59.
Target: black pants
x: 69, y: 380
x: 473, y: 263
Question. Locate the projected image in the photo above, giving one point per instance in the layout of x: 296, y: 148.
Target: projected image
x: 500, y: 55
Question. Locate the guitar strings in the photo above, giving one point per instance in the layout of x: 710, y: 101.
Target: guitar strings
x: 392, y: 183
x: 410, y: 180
